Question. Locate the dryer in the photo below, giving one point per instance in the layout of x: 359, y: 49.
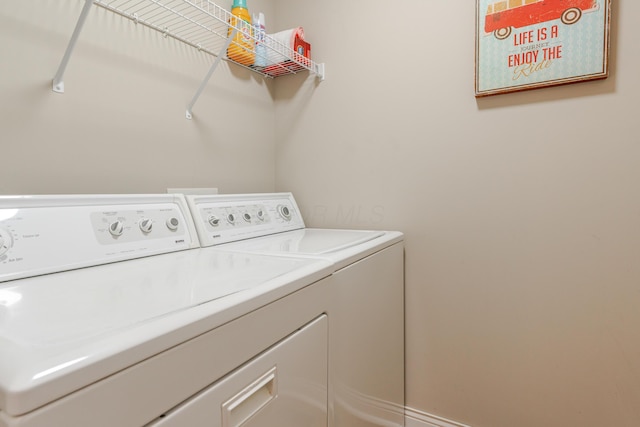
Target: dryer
x: 366, y: 305
x: 112, y: 315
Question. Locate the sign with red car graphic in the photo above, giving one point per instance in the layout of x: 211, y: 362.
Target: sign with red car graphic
x: 528, y: 44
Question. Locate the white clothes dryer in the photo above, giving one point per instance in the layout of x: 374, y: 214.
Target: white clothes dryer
x: 112, y: 315
x: 366, y: 307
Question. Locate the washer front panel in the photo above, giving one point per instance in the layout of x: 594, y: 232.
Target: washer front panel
x: 46, y: 234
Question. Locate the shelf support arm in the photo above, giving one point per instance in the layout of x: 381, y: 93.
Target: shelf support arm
x: 58, y: 82
x: 222, y: 54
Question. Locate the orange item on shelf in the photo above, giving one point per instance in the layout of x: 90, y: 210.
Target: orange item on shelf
x: 242, y: 48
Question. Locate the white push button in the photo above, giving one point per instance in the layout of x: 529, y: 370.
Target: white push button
x: 173, y: 223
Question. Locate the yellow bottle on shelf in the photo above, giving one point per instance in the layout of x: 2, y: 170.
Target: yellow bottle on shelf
x: 242, y: 48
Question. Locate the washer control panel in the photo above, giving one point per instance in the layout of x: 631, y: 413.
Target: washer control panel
x: 114, y: 227
x: 47, y: 234
x: 224, y: 218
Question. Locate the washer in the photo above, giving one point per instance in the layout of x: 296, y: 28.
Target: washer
x: 112, y: 315
x: 366, y: 306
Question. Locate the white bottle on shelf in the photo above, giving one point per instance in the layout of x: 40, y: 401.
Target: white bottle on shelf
x: 261, y: 50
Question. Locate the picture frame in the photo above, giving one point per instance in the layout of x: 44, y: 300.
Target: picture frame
x: 530, y: 44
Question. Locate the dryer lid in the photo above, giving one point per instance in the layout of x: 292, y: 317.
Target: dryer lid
x: 308, y: 241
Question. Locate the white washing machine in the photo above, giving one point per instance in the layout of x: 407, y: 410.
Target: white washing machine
x: 112, y: 315
x: 366, y: 306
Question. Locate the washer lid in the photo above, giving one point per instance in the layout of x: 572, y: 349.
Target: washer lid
x: 62, y: 308
x: 62, y: 331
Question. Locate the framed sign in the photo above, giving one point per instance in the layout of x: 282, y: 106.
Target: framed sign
x: 528, y: 44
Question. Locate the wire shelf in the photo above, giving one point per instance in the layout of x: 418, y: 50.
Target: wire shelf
x: 206, y: 26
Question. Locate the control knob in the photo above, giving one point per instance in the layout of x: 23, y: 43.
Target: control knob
x: 116, y: 228
x: 231, y: 219
x: 213, y: 220
x: 247, y: 217
x: 5, y: 241
x: 146, y: 225
x: 284, y: 212
x: 261, y: 215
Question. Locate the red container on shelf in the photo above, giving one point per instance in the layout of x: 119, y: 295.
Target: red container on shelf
x: 301, y: 55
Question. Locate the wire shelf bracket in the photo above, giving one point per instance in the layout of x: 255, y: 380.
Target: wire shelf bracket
x: 58, y: 79
x: 219, y: 58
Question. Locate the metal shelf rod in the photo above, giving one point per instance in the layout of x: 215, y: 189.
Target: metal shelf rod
x: 58, y: 82
x: 221, y: 54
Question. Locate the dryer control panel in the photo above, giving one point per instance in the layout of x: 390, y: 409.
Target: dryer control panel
x: 47, y: 234
x: 221, y: 218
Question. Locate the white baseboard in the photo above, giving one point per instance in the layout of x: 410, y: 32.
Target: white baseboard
x: 415, y: 418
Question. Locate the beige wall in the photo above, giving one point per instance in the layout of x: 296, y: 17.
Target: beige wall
x: 521, y: 211
x: 120, y: 126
